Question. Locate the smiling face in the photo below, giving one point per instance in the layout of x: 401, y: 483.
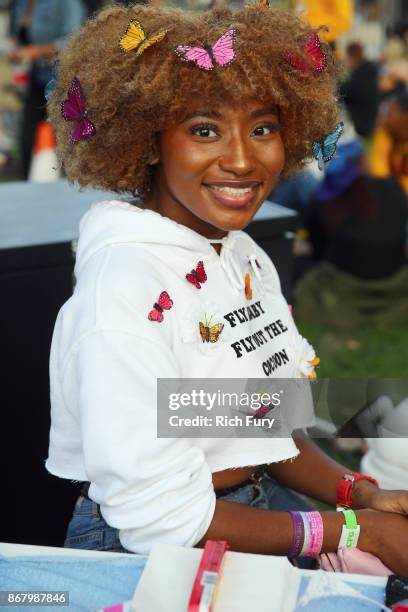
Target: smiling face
x: 215, y: 169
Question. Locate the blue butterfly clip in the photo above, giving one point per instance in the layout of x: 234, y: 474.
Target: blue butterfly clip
x: 50, y: 88
x: 325, y: 150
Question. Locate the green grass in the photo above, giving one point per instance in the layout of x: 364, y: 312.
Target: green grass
x: 363, y: 353
x: 375, y: 353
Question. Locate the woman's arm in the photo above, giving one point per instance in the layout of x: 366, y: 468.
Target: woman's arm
x: 254, y: 530
x: 32, y: 53
x: 315, y: 474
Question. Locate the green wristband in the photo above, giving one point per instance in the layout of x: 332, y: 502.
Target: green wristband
x: 351, y: 529
x: 349, y: 517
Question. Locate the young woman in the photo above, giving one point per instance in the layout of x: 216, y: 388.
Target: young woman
x: 199, y: 115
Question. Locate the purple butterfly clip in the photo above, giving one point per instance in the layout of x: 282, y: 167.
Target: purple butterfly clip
x: 73, y: 109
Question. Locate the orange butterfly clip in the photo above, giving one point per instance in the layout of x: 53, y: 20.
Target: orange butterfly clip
x: 248, y: 289
x: 135, y: 38
x: 313, y: 362
x: 208, y: 332
x: 262, y: 4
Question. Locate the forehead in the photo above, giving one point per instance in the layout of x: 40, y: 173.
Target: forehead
x: 230, y: 111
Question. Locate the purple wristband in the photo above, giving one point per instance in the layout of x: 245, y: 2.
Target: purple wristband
x: 298, y: 535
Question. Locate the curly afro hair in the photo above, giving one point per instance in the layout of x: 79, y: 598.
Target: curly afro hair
x: 130, y: 98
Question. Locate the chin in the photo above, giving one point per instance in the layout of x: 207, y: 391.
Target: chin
x: 238, y: 220
x: 233, y: 226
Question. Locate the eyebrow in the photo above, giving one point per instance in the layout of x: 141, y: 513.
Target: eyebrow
x: 202, y: 113
x: 261, y: 112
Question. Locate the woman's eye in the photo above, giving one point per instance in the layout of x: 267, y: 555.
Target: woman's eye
x: 204, y: 131
x: 264, y: 130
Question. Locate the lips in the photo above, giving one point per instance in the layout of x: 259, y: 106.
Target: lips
x: 234, y: 193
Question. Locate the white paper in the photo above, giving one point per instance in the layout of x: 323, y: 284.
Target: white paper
x: 249, y: 582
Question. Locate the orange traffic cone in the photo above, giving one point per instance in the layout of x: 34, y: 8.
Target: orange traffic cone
x: 44, y: 162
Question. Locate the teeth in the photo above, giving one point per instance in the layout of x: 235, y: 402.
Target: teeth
x: 235, y: 191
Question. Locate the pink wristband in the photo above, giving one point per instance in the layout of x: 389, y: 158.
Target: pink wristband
x: 314, y: 541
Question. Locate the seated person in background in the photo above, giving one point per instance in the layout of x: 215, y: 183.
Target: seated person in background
x: 357, y: 228
x: 360, y: 90
x: 389, y: 156
x: 387, y: 456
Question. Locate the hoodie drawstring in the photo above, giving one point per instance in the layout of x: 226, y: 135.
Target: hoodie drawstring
x: 234, y: 258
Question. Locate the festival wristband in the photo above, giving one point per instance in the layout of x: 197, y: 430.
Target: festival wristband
x: 314, y: 543
x: 307, y: 534
x: 351, y: 529
x: 344, y: 489
x: 298, y: 537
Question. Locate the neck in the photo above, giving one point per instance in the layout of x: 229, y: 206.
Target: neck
x: 165, y: 203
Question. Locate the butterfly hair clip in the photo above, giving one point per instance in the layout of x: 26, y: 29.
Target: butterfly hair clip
x: 73, y: 109
x: 50, y: 88
x: 163, y: 303
x: 135, y: 38
x: 198, y: 276
x: 221, y: 53
x: 325, y: 150
x: 262, y: 4
x: 314, y: 59
x: 248, y: 288
x: 208, y: 332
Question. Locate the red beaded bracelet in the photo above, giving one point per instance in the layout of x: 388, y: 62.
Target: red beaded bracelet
x: 345, y: 488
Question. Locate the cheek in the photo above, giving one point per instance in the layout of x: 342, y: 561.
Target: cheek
x: 274, y: 157
x: 184, y: 158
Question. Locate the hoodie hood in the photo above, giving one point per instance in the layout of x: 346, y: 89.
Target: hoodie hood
x: 118, y: 222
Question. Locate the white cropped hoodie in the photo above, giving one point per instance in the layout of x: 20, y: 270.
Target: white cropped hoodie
x: 106, y: 356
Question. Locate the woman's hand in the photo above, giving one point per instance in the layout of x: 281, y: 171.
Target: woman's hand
x: 390, y: 501
x: 385, y: 535
x: 367, y: 495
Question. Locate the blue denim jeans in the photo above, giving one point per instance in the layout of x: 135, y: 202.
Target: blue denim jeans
x: 88, y: 529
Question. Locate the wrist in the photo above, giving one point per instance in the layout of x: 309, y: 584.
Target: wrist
x: 369, y: 531
x: 333, y: 525
x: 362, y: 494
x: 349, y: 494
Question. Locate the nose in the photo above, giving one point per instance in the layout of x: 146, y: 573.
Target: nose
x: 237, y: 156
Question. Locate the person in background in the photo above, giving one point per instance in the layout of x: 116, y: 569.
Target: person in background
x: 360, y: 91
x: 389, y: 156
x: 92, y: 6
x: 387, y: 452
x: 296, y: 192
x: 368, y: 30
x: 394, y: 68
x: 357, y: 227
x: 39, y: 30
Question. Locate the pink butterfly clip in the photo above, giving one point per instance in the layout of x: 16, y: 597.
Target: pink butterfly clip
x: 221, y: 53
x: 73, y: 109
x: 316, y: 58
x: 198, y: 276
x: 163, y: 303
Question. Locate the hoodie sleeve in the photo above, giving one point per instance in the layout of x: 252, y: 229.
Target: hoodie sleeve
x: 153, y: 490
